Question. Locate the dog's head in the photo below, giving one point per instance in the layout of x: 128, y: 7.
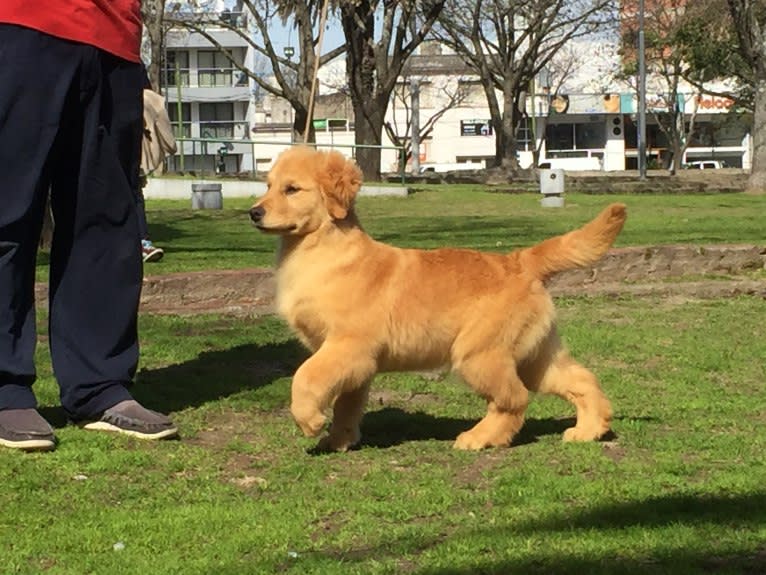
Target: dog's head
x: 306, y: 188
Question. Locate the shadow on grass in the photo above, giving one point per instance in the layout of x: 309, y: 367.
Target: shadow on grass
x: 736, y: 513
x: 214, y: 375
x: 211, y: 376
x: 393, y: 426
x: 677, y: 562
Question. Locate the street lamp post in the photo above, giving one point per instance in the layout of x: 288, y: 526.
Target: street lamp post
x: 641, y: 94
x: 289, y: 53
x: 415, y: 125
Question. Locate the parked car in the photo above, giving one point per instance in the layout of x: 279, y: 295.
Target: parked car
x: 454, y: 167
x: 705, y: 165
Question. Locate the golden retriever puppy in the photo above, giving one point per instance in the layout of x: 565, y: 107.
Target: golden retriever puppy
x: 362, y: 306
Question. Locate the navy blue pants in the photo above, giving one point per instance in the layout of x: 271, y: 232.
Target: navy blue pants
x: 70, y: 122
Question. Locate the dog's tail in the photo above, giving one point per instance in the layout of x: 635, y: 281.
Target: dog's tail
x: 579, y: 248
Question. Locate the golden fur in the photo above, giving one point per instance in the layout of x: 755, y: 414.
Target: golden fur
x: 362, y: 306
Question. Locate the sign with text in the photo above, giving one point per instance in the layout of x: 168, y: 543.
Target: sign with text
x: 475, y: 128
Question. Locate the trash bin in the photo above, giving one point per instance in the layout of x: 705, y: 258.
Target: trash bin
x: 207, y: 196
x: 552, y: 188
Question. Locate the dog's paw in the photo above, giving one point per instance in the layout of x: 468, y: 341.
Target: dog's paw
x: 584, y: 434
x: 342, y: 438
x: 469, y: 441
x: 311, y: 422
x: 337, y: 442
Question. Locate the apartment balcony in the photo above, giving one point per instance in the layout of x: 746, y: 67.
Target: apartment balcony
x: 224, y: 130
x: 213, y: 130
x: 207, y: 85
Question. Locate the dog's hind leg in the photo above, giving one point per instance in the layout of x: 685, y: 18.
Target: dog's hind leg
x: 347, y: 415
x: 553, y: 371
x: 493, y: 375
x: 337, y: 368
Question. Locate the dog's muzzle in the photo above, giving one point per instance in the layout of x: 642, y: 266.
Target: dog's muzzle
x: 257, y: 213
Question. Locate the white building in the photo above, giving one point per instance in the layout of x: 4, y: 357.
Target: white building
x: 209, y: 100
x: 574, y: 130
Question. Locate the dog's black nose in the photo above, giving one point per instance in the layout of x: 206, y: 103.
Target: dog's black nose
x: 257, y: 213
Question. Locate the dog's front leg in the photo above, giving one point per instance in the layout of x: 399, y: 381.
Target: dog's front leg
x: 347, y: 415
x: 308, y: 407
x: 338, y: 367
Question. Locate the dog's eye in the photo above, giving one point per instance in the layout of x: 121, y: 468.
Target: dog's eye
x: 291, y: 190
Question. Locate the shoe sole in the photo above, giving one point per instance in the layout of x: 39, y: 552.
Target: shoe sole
x: 29, y: 444
x: 104, y: 426
x: 154, y: 256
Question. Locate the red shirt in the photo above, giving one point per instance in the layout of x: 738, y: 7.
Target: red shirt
x: 112, y: 25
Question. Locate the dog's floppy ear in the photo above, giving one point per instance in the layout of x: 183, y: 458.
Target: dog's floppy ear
x: 340, y: 180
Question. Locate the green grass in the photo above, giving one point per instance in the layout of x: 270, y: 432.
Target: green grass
x: 681, y: 489
x: 459, y: 216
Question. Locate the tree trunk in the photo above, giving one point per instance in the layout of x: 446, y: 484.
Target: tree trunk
x: 152, y: 12
x: 676, y: 143
x: 299, y: 127
x: 506, y: 145
x: 503, y: 145
x: 368, y: 130
x: 678, y: 153
x: 756, y: 183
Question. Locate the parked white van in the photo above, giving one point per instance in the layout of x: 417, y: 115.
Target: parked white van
x: 705, y: 165
x: 454, y: 167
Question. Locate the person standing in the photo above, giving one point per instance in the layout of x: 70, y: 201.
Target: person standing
x: 71, y: 120
x: 157, y: 143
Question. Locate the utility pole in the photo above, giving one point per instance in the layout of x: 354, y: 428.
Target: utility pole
x: 641, y: 94
x: 415, y: 125
x: 415, y: 105
x: 179, y: 113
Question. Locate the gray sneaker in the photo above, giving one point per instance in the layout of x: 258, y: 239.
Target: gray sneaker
x: 131, y: 418
x: 25, y: 429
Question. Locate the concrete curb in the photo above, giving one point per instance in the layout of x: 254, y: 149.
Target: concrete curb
x: 170, y: 188
x: 636, y: 271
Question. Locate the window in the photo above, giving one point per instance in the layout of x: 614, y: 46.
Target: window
x: 655, y: 137
x: 524, y: 137
x: 585, y: 136
x: 215, y: 69
x: 717, y: 133
x: 730, y: 130
x: 559, y: 136
x: 591, y: 135
x: 176, y: 68
x: 216, y: 120
x: 184, y: 129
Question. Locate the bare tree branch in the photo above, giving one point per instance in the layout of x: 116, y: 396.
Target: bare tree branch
x: 289, y: 79
x: 507, y: 50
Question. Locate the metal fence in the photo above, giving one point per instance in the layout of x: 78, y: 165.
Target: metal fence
x: 218, y: 156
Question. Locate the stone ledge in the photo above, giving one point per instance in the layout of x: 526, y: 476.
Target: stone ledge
x: 632, y: 271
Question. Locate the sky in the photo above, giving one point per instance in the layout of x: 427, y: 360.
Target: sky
x: 281, y: 35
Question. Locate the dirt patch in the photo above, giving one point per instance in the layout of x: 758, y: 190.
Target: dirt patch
x: 689, y: 272
x: 613, y: 451
x: 228, y: 434
x: 477, y: 475
x: 225, y: 428
x: 592, y: 182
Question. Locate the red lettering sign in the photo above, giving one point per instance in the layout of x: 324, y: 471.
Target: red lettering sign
x: 714, y: 102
